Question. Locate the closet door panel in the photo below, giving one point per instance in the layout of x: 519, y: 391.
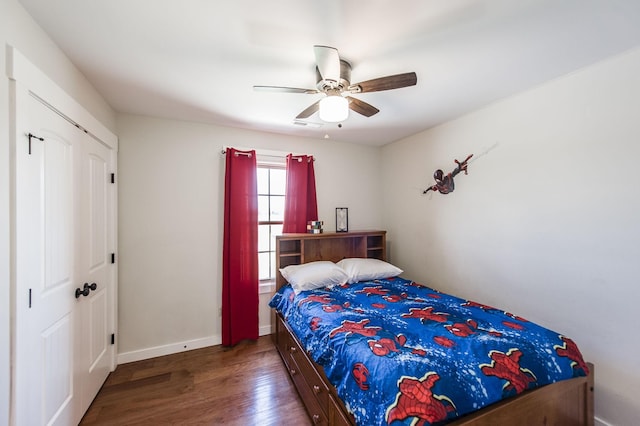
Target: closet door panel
x: 58, y: 211
x: 56, y: 342
x: 94, y: 313
x: 98, y: 171
x: 45, y: 267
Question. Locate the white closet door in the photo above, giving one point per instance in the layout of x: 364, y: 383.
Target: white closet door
x: 64, y: 202
x: 94, y: 314
x: 64, y: 215
x: 46, y: 274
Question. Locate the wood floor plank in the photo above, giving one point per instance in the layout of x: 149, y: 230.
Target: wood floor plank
x: 243, y: 385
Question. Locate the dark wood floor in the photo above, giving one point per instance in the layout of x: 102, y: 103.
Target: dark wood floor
x: 243, y: 385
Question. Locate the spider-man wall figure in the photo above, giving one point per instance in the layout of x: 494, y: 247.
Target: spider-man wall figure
x: 444, y: 183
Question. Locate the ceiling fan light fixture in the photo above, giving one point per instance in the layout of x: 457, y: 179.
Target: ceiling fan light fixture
x: 334, y: 108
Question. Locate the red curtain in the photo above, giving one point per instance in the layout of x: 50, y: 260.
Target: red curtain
x: 300, y: 205
x: 240, y: 251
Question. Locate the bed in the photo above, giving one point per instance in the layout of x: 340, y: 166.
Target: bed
x: 338, y: 355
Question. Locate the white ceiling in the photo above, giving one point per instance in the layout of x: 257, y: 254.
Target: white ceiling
x: 197, y: 60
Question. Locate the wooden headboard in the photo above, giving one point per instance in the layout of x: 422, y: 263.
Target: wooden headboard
x: 295, y: 249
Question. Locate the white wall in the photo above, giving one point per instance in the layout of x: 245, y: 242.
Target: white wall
x: 171, y: 199
x: 5, y: 304
x: 546, y: 223
x: 18, y: 29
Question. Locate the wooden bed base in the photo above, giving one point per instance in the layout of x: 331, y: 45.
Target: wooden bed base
x: 569, y: 402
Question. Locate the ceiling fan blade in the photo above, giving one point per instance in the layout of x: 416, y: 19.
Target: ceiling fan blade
x: 362, y: 107
x: 284, y: 89
x: 387, y: 83
x: 328, y: 62
x: 309, y: 111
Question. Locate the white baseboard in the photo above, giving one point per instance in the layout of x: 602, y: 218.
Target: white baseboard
x: 264, y: 330
x: 175, y: 348
x: 172, y: 348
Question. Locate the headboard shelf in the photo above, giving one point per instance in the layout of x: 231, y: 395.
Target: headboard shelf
x: 294, y: 249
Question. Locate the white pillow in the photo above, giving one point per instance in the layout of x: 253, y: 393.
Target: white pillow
x: 361, y: 269
x: 313, y: 275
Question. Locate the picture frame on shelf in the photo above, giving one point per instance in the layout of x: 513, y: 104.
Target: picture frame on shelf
x: 342, y: 219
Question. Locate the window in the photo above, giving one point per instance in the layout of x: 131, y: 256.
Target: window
x: 271, y: 188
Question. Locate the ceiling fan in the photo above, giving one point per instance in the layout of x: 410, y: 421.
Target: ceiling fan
x: 334, y: 80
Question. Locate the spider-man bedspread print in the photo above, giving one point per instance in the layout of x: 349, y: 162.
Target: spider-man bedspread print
x: 402, y: 353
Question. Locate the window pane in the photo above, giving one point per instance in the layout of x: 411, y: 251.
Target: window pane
x: 263, y: 181
x: 263, y: 238
x: 263, y: 265
x: 263, y: 208
x: 275, y: 230
x: 278, y: 181
x: 277, y: 208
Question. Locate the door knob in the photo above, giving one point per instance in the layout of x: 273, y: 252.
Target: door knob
x: 86, y: 289
x: 82, y: 291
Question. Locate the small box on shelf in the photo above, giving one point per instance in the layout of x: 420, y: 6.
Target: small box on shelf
x: 314, y: 227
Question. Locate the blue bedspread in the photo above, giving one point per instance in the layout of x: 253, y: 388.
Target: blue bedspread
x: 399, y: 352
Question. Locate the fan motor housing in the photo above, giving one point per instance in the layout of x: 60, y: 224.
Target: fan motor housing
x: 343, y: 84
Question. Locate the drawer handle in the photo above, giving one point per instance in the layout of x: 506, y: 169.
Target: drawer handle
x: 293, y: 371
x: 316, y: 419
x: 316, y: 389
x: 293, y: 349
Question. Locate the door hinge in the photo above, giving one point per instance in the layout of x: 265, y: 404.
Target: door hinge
x: 113, y: 339
x: 113, y: 258
x: 113, y: 178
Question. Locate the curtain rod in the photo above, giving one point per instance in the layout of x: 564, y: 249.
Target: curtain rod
x: 248, y: 154
x: 299, y: 158
x: 295, y: 157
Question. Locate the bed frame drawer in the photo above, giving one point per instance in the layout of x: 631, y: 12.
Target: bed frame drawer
x: 317, y: 411
x: 336, y: 414
x: 313, y: 389
x: 317, y: 386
